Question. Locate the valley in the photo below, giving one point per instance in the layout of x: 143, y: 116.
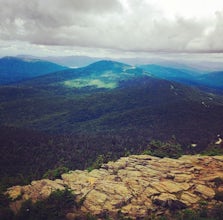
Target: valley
x: 107, y: 108
x: 84, y: 117
x: 111, y: 110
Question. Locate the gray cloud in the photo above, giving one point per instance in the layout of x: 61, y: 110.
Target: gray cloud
x: 107, y: 24
x: 214, y: 40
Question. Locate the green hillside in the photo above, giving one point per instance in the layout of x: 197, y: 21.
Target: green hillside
x: 137, y: 101
x: 45, y: 124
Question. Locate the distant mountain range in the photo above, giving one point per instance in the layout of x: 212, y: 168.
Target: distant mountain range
x: 102, y: 74
x: 77, y: 117
x: 70, y: 61
x: 185, y: 76
x: 173, y: 74
x: 23, y: 67
x: 14, y: 69
x: 110, y: 96
x: 76, y: 61
x: 213, y: 79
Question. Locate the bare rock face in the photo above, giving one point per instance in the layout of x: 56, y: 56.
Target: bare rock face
x: 136, y: 186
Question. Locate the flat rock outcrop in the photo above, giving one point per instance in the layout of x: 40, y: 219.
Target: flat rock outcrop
x: 136, y: 186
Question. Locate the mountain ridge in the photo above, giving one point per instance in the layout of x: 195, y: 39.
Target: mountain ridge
x: 102, y: 74
x: 14, y: 69
x: 86, y: 98
x: 99, y: 113
x: 212, y: 79
x: 202, y: 80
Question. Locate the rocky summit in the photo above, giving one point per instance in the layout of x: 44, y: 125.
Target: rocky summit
x: 136, y: 186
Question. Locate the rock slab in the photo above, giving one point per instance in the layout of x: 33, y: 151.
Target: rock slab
x: 136, y: 186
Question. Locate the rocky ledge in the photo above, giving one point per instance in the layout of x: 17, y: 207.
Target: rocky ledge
x: 136, y: 186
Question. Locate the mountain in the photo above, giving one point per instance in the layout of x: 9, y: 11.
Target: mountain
x: 74, y: 117
x: 70, y: 61
x: 82, y: 118
x: 101, y: 74
x: 14, y: 69
x: 210, y: 82
x: 109, y: 96
x: 202, y: 65
x: 213, y: 79
x: 185, y: 76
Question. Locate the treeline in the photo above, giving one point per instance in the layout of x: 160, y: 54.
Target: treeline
x: 26, y: 155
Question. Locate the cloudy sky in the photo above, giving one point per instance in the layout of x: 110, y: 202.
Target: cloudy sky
x: 111, y: 27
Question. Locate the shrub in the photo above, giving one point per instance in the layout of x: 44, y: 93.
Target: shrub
x: 5, y: 212
x: 103, y: 158
x: 213, y: 150
x: 217, y: 212
x: 53, y: 208
x: 55, y: 173
x: 169, y: 148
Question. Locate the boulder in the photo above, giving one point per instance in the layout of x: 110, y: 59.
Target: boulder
x: 204, y: 191
x: 136, y: 211
x: 189, y: 198
x: 14, y: 192
x: 181, y: 178
x: 169, y: 186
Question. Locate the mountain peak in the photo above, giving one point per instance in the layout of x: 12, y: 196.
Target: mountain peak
x: 15, y: 69
x: 108, y: 64
x: 135, y: 186
x: 10, y: 58
x: 23, y: 59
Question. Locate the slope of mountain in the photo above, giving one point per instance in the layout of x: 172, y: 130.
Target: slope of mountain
x: 14, y: 69
x: 73, y: 61
x: 102, y: 74
x: 213, y: 79
x: 84, y: 120
x: 121, y: 98
x: 209, y: 82
x: 76, y: 118
x: 70, y: 61
x: 178, y: 75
